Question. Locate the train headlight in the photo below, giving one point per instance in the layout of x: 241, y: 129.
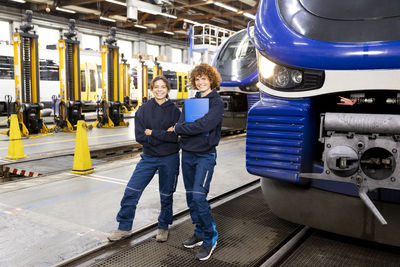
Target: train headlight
x: 281, y: 77
x: 287, y: 78
x: 297, y: 76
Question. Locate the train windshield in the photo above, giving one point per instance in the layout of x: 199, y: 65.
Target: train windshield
x: 236, y: 59
x: 343, y: 20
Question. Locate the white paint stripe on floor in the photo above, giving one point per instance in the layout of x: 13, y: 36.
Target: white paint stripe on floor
x: 107, y: 178
x: 103, y: 180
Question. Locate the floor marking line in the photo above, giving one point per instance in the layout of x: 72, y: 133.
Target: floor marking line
x: 105, y: 177
x: 103, y: 180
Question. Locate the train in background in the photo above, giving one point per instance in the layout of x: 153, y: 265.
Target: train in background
x: 90, y: 79
x: 325, y: 136
x: 236, y: 61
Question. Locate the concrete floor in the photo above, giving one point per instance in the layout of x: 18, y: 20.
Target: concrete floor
x: 46, y: 220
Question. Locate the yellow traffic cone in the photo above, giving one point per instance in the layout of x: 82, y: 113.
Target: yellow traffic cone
x: 15, y: 147
x: 82, y: 161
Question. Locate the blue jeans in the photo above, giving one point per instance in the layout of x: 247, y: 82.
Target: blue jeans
x: 197, y: 170
x: 168, y: 171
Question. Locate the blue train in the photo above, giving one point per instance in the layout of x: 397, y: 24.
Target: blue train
x: 236, y: 61
x: 325, y: 136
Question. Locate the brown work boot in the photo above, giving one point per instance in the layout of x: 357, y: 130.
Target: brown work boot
x: 119, y: 235
x: 162, y: 235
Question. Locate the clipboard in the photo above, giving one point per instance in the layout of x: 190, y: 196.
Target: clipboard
x: 196, y: 108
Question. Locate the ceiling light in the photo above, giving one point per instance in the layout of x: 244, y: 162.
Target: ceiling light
x: 249, y: 15
x: 107, y: 19
x: 118, y: 17
x: 19, y: 1
x: 170, y: 33
x: 65, y: 10
x: 140, y: 26
x: 231, y: 8
x: 83, y: 10
x: 168, y: 15
x: 116, y: 2
x: 191, y: 21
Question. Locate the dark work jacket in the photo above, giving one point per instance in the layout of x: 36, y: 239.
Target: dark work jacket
x: 157, y: 118
x: 192, y: 139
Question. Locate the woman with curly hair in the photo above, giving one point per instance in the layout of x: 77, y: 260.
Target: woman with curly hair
x: 198, y: 142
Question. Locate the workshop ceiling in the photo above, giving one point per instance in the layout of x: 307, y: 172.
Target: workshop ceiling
x: 174, y: 19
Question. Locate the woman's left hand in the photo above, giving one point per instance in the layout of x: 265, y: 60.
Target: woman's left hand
x: 147, y: 132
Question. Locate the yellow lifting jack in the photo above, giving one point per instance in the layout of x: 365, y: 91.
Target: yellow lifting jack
x: 27, y: 104
x: 70, y: 104
x: 125, y: 85
x: 109, y: 107
x: 142, y: 82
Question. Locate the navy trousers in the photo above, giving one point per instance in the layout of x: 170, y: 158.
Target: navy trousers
x: 197, y: 170
x: 168, y: 171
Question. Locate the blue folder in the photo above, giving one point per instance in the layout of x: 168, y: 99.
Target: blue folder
x: 196, y: 108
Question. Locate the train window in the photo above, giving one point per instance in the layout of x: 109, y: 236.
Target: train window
x: 49, y: 70
x: 6, y: 67
x: 92, y: 81
x: 99, y: 76
x: 237, y: 47
x: 83, y: 81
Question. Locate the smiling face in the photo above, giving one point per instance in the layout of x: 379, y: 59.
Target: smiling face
x: 203, y: 84
x: 160, y: 90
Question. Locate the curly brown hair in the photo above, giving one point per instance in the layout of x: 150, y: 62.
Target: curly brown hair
x: 207, y: 70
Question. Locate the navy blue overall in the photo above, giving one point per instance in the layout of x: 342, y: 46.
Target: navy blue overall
x: 198, y: 161
x: 160, y: 153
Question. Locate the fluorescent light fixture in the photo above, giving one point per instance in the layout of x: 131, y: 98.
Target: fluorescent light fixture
x: 170, y: 33
x: 116, y: 2
x: 168, y: 15
x: 150, y: 11
x: 222, y: 21
x: 65, y: 10
x: 249, y: 15
x: 118, y: 17
x: 83, y: 10
x: 19, y: 1
x: 140, y: 26
x: 145, y: 7
x: 231, y: 8
x: 107, y: 19
x: 191, y: 21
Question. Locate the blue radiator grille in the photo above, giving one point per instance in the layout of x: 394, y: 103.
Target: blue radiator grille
x: 279, y: 138
x: 252, y: 99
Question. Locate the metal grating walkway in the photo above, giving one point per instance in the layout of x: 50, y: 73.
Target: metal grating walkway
x: 324, y: 249
x: 247, y: 232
